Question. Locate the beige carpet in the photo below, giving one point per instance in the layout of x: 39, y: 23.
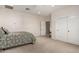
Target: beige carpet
x: 44, y: 45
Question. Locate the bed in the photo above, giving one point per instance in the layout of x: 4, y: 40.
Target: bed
x: 12, y: 39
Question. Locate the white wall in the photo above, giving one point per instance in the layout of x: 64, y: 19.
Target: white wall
x: 65, y: 11
x: 20, y: 21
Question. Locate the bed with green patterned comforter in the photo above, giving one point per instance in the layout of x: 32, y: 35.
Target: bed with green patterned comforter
x: 13, y: 39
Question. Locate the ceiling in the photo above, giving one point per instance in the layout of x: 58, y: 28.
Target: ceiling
x: 42, y: 10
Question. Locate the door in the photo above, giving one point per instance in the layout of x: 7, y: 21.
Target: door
x: 61, y: 28
x: 73, y: 25
x: 48, y: 29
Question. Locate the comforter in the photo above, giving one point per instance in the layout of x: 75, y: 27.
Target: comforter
x: 15, y: 39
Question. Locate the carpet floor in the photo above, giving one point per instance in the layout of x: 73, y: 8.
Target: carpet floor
x: 45, y: 45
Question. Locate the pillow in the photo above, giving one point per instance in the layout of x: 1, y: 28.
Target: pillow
x: 5, y: 30
x: 1, y: 33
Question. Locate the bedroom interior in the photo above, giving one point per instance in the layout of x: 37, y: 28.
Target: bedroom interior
x: 39, y: 28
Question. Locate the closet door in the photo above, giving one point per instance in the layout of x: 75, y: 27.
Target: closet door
x: 73, y: 27
x: 61, y: 28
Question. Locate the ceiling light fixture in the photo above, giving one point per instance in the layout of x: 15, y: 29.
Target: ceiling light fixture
x: 8, y: 6
x: 27, y: 8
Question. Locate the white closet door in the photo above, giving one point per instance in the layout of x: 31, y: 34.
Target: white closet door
x: 73, y: 25
x: 61, y: 28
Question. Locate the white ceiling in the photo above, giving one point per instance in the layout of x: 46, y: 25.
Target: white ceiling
x: 43, y: 10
